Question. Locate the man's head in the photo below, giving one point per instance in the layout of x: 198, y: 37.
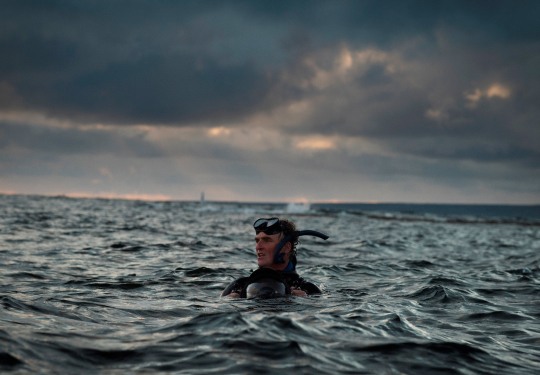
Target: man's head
x: 269, y: 233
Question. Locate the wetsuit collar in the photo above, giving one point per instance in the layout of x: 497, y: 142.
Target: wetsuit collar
x: 289, y: 268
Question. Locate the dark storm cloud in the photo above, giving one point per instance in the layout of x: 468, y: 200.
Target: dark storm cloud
x: 181, y: 62
x: 126, y: 62
x: 37, y: 139
x: 152, y: 90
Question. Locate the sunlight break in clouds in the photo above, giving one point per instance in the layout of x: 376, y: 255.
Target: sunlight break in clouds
x: 348, y: 63
x: 315, y: 144
x: 436, y: 114
x: 496, y: 90
x: 219, y: 131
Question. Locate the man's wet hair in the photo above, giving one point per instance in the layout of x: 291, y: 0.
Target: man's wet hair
x: 289, y: 228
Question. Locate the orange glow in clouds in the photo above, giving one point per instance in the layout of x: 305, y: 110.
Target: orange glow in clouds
x: 315, y: 144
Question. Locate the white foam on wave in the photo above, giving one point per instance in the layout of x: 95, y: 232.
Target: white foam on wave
x: 298, y: 207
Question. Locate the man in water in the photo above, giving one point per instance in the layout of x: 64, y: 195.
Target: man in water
x: 276, y: 275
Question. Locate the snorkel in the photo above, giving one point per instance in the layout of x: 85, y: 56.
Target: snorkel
x: 278, y: 257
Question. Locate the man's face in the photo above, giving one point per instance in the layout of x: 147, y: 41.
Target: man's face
x: 265, y: 245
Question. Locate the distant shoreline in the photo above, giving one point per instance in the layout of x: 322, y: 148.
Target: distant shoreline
x: 277, y: 203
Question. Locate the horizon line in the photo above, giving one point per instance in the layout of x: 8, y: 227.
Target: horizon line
x: 164, y: 198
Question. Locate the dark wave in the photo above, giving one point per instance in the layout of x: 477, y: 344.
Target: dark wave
x: 528, y: 216
x: 436, y: 293
x: 7, y: 361
x: 497, y: 316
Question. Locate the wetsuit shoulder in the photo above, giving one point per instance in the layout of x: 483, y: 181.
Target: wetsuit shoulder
x: 295, y: 281
x: 309, y: 287
x: 237, y: 286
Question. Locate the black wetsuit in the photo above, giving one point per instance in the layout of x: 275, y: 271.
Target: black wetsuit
x: 290, y: 279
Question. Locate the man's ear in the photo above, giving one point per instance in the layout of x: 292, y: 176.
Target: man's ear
x: 287, y: 248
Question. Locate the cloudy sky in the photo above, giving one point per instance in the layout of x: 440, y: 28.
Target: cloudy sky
x: 364, y: 101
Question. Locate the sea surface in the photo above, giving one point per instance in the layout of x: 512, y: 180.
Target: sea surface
x: 117, y: 287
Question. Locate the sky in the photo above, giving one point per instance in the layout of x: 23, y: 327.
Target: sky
x: 272, y: 101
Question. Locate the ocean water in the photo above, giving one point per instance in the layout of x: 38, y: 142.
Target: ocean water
x: 115, y: 287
